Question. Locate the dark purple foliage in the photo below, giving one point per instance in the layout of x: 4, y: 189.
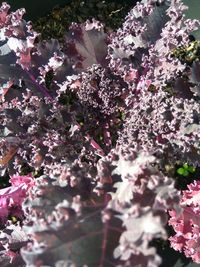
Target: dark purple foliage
x: 95, y: 121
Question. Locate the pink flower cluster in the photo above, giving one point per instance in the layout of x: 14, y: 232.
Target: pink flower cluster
x: 186, y: 224
x: 11, y: 198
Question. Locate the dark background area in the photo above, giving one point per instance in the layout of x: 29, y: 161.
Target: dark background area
x: 36, y: 8
x: 39, y: 8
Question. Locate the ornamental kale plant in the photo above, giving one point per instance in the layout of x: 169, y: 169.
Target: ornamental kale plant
x: 88, y: 131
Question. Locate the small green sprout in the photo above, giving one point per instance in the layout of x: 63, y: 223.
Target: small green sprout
x: 186, y: 169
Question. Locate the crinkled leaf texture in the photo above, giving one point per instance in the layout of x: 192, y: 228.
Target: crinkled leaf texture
x: 12, y: 239
x: 143, y: 44
x: 11, y: 198
x: 141, y: 199
x: 65, y: 229
x: 186, y: 224
x: 96, y: 203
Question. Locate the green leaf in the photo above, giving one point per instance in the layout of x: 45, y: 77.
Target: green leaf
x: 186, y: 173
x: 181, y: 171
x: 185, y: 166
x: 191, y: 169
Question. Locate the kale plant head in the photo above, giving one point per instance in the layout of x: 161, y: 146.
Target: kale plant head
x: 87, y: 130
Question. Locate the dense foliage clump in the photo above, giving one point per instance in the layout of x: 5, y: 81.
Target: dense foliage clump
x: 99, y: 135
